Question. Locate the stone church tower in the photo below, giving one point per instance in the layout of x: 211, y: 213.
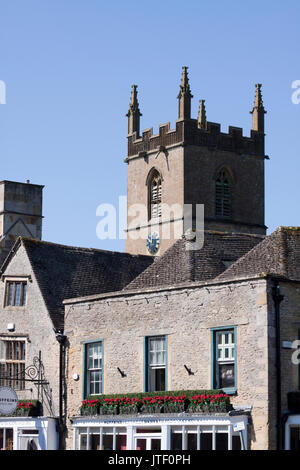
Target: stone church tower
x: 195, y: 163
x: 20, y: 213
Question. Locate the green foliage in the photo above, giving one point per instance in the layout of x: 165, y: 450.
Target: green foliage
x: 187, y: 393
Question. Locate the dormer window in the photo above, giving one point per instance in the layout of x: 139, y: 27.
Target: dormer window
x: 15, y: 293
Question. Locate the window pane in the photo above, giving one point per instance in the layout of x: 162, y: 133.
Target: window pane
x: 24, y: 293
x: 83, y: 442
x: 2, y: 350
x: 95, y: 441
x: 221, y: 441
x: 10, y: 293
x: 9, y: 439
x: 155, y: 444
x: 236, y: 443
x: 121, y: 442
x: 9, y: 350
x: 141, y: 444
x: 226, y: 375
x: 192, y: 441
x: 295, y: 439
x: 107, y: 442
x: 23, y: 351
x: 206, y: 441
x: 176, y: 441
x: 160, y: 379
x: 18, y: 293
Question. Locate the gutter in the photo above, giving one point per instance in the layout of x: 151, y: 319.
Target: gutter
x: 61, y: 338
x: 277, y: 299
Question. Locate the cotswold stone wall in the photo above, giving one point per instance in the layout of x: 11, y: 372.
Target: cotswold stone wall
x: 32, y: 324
x: 201, y: 166
x: 170, y: 167
x: 186, y: 316
x: 289, y: 332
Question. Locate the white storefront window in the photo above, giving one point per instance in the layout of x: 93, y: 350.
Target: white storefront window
x: 192, y: 433
x: 28, y: 433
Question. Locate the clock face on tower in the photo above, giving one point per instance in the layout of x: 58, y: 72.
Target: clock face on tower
x: 153, y: 243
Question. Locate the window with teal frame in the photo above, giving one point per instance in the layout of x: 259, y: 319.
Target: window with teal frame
x: 93, y: 368
x: 155, y: 363
x: 224, y: 359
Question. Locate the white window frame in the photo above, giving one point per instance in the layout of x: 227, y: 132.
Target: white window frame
x: 154, y: 365
x: 220, y: 352
x: 90, y: 370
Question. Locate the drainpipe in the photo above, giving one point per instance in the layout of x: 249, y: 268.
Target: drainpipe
x: 61, y: 338
x: 277, y: 298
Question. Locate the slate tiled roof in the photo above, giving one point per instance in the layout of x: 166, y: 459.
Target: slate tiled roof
x: 278, y: 254
x: 179, y: 265
x: 64, y: 272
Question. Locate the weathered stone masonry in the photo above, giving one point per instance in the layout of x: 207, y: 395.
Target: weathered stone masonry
x: 186, y: 315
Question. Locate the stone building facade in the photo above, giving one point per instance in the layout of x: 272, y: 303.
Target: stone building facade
x: 189, y: 316
x: 35, y: 278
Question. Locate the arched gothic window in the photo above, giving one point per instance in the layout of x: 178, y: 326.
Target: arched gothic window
x: 154, y: 195
x: 223, y: 194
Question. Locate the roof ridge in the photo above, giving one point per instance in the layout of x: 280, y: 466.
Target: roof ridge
x: 280, y: 234
x: 80, y: 248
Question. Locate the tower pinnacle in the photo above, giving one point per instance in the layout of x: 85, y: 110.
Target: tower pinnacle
x: 134, y: 113
x: 258, y: 111
x: 184, y: 96
x: 202, y: 122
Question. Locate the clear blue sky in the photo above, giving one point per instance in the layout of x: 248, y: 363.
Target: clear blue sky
x: 69, y: 64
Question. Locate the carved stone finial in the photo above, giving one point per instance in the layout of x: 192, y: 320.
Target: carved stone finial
x: 258, y: 111
x: 184, y: 96
x: 202, y: 122
x: 134, y: 113
x: 258, y: 102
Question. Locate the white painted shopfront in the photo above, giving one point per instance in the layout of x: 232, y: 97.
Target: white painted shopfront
x: 28, y: 433
x: 195, y: 432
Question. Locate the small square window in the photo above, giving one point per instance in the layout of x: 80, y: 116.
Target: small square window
x: 15, y: 293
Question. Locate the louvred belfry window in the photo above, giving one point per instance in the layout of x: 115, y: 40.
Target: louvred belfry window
x: 155, y: 196
x: 223, y: 195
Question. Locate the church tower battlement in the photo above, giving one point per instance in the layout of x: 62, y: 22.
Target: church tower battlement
x: 197, y: 164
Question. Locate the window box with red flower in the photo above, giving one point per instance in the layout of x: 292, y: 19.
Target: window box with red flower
x: 110, y: 406
x: 89, y: 407
x: 216, y: 403
x: 27, y: 408
x: 129, y: 405
x: 152, y: 404
x: 175, y: 404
